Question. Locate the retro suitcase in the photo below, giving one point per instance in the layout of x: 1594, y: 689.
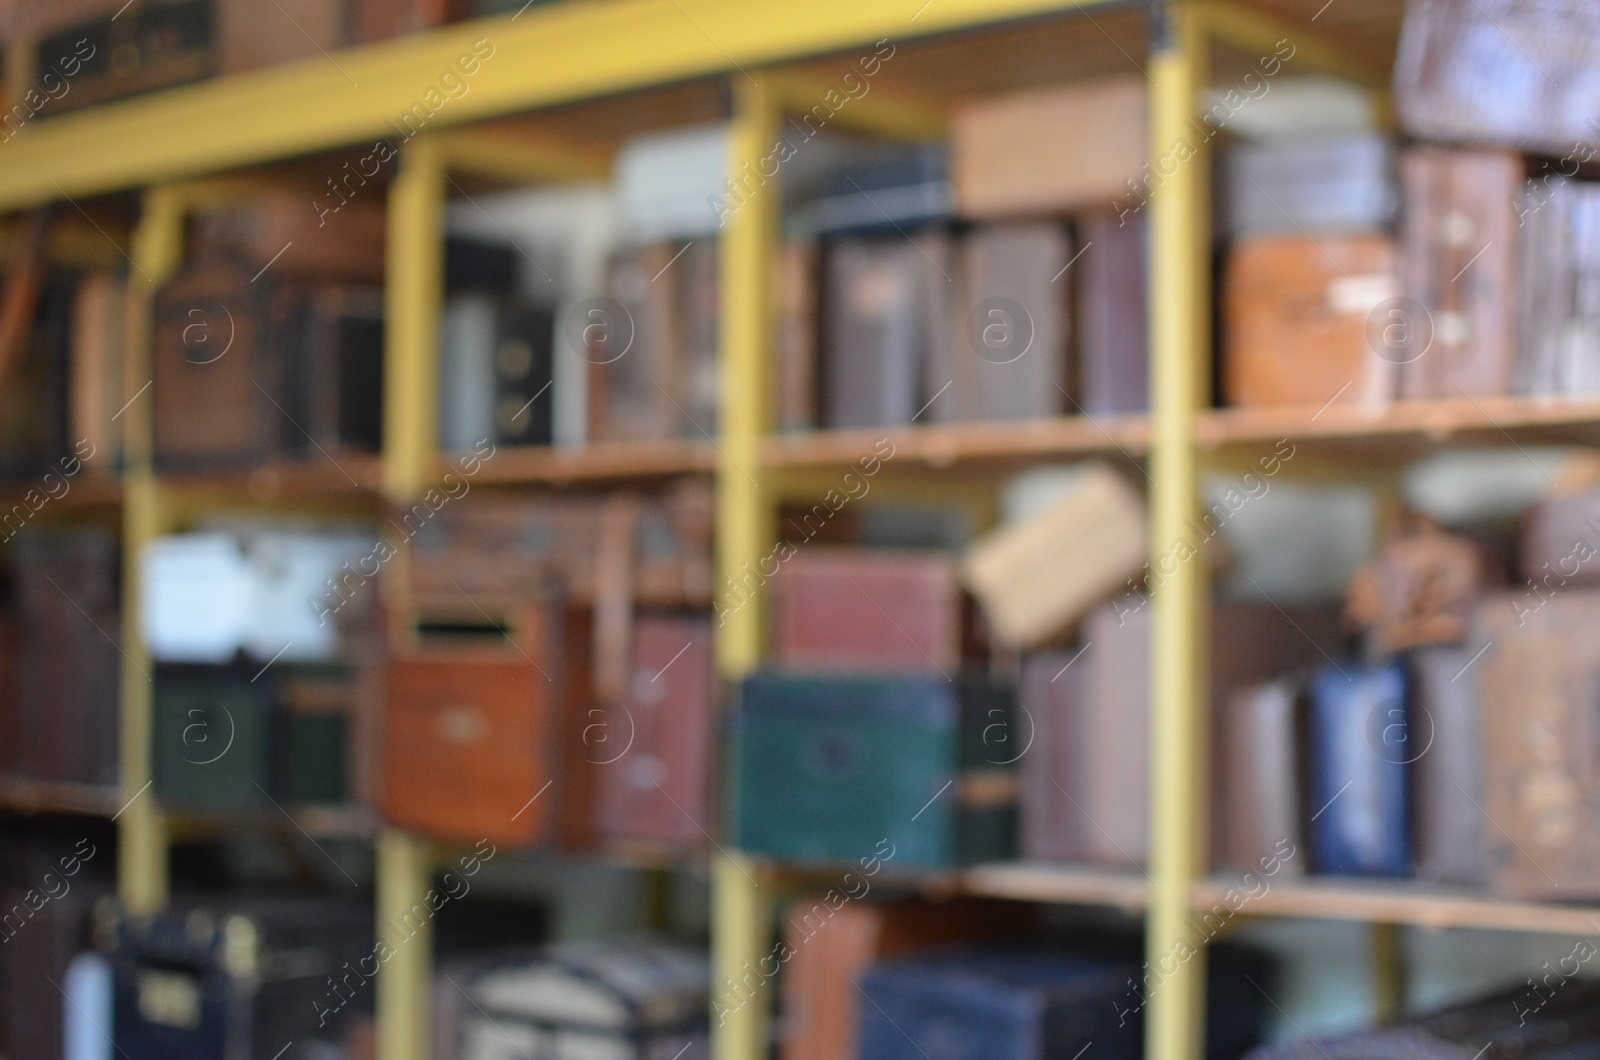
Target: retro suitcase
x: 524, y: 362
x: 248, y: 977
x: 376, y: 20
x: 315, y: 719
x: 482, y: 737
x: 99, y: 333
x: 1499, y: 72
x: 279, y: 236
x: 1420, y: 589
x: 35, y: 401
x: 1109, y: 286
x: 634, y: 360
x: 621, y: 1000
x: 1318, y: 185
x: 1261, y: 780
x: 874, y: 316
x: 826, y: 768
x: 796, y: 336
x: 652, y: 767
x: 1448, y: 771
x: 834, y: 948
x: 1362, y: 748
x: 63, y: 701
x: 1559, y: 287
x: 1536, y: 686
x: 1561, y: 542
x: 906, y: 187
x: 252, y: 34
x: 331, y: 339
x: 217, y: 738
x: 1459, y: 240
x: 1297, y: 319
x: 1005, y: 347
x: 121, y: 50
x: 216, y: 372
x: 1024, y: 153
x: 867, y: 611
x: 50, y: 882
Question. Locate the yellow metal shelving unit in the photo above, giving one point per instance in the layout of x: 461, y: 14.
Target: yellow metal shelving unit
x: 585, y: 49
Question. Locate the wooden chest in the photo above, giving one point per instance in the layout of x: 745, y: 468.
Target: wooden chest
x: 1297, y: 315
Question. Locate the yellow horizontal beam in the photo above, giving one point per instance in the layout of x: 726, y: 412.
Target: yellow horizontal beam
x: 567, y: 51
x: 523, y: 157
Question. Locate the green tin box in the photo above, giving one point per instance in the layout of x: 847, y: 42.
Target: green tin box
x: 827, y: 768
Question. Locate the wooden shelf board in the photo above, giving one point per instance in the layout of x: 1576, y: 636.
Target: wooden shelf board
x: 603, y: 462
x: 1407, y: 426
x: 344, y: 474
x: 317, y: 821
x: 84, y: 490
x: 1056, y: 883
x: 1402, y: 902
x: 946, y: 446
x: 20, y: 794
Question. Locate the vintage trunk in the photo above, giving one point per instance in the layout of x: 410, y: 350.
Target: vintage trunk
x: 1297, y: 318
x: 1005, y: 333
x: 217, y: 741
x: 1023, y: 153
x: 1561, y: 543
x: 828, y: 767
x: 1536, y: 686
x: 1109, y: 281
x: 1559, y: 288
x: 833, y: 948
x: 243, y: 978
x: 867, y: 611
x: 1448, y: 772
x: 1260, y: 780
x: 1361, y: 755
x: 252, y: 35
x: 284, y: 236
x: 634, y: 356
x: 63, y: 698
x: 874, y: 322
x: 651, y: 758
x: 111, y: 50
x: 99, y: 329
x: 1319, y: 185
x: 1499, y: 72
x: 331, y: 339
x: 524, y: 363
x: 1459, y: 241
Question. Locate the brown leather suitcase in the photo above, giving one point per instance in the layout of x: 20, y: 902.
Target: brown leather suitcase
x: 1561, y: 543
x: 634, y: 360
x: 1559, y: 326
x: 215, y: 372
x: 833, y: 948
x: 1536, y: 685
x: 1025, y: 153
x: 1108, y: 281
x: 1447, y: 776
x: 1258, y: 806
x: 376, y: 20
x: 868, y: 611
x: 63, y: 706
x: 1499, y: 72
x: 1052, y: 693
x: 252, y: 35
x: 1296, y: 320
x: 1460, y: 238
x: 112, y: 49
x: 1002, y: 354
x: 331, y: 341
x: 99, y: 330
x: 282, y: 236
x: 652, y: 755
x: 1421, y: 589
x: 797, y: 336
x: 875, y: 316
x: 482, y: 737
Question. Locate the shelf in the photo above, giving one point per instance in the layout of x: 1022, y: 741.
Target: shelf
x: 1403, y: 902
x: 343, y: 475
x: 316, y: 822
x: 600, y: 463
x: 1406, y: 429
x: 85, y: 490
x: 977, y: 446
x: 1053, y: 883
x: 28, y: 796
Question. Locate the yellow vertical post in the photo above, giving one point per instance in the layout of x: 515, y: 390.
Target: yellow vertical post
x: 744, y: 524
x: 1179, y: 329
x: 141, y: 831
x: 1389, y: 985
x: 414, y: 293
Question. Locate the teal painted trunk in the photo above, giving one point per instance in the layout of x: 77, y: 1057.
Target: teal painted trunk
x: 826, y: 769
x: 214, y: 739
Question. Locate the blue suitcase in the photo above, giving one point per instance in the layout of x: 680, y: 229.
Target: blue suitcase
x: 1362, y: 747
